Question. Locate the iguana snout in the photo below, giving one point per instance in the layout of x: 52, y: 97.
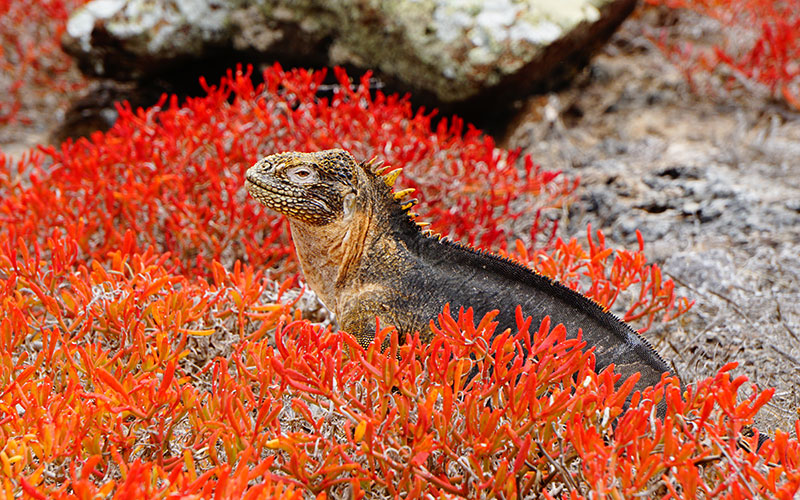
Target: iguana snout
x: 310, y: 187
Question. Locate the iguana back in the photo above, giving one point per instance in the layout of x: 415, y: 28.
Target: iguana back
x: 465, y: 277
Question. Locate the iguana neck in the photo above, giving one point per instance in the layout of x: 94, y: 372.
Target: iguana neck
x: 330, y: 255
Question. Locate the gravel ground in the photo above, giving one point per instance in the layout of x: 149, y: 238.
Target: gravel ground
x: 714, y: 188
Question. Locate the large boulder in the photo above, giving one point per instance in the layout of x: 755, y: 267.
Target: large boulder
x: 450, y: 50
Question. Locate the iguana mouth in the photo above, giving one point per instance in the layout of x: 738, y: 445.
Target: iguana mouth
x: 252, y: 181
x: 264, y: 192
x: 256, y: 187
x: 290, y: 202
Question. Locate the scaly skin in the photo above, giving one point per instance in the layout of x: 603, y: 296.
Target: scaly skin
x: 365, y: 257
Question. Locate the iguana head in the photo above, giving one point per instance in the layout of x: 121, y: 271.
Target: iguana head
x: 315, y: 188
x: 323, y: 187
x: 334, y: 205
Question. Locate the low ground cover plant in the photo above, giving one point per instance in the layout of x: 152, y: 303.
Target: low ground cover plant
x: 746, y: 47
x: 153, y: 341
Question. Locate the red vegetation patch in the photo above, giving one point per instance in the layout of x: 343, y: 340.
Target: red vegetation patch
x: 571, y: 264
x: 133, y: 362
x: 106, y: 390
x: 32, y: 64
x: 758, y: 47
x: 141, y: 354
x: 173, y: 176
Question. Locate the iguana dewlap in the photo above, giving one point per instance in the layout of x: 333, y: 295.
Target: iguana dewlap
x: 364, y: 256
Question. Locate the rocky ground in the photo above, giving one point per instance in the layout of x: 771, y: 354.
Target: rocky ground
x: 714, y: 188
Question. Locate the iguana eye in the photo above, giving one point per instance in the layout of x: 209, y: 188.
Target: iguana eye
x: 302, y: 175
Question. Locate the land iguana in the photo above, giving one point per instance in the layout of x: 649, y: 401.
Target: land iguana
x: 365, y: 257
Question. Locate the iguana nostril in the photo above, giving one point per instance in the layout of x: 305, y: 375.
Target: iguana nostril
x: 260, y: 168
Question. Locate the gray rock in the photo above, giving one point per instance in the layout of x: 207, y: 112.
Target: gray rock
x: 453, y: 50
x: 711, y: 270
x: 711, y: 209
x: 129, y: 39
